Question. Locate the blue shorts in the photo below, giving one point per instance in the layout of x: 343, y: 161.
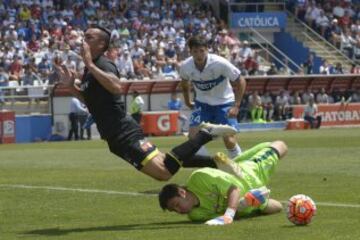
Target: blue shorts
x: 214, y: 114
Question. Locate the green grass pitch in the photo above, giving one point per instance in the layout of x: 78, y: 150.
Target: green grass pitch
x: 79, y: 190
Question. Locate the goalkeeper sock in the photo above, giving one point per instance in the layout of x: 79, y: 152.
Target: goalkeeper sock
x: 251, y: 152
x: 236, y: 151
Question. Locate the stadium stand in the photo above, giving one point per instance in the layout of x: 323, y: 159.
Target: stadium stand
x: 342, y: 84
x: 148, y: 43
x: 275, y: 85
x: 321, y: 82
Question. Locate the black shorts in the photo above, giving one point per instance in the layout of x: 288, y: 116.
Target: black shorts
x: 132, y: 146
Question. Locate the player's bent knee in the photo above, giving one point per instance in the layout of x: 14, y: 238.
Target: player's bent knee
x: 280, y: 147
x: 157, y: 169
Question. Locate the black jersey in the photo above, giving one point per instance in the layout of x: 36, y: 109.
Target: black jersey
x: 105, y: 107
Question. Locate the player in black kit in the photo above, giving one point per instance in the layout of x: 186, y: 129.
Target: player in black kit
x: 100, y: 89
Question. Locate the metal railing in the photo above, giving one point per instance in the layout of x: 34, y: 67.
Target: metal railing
x: 276, y: 50
x: 258, y: 6
x: 13, y: 93
x: 312, y: 31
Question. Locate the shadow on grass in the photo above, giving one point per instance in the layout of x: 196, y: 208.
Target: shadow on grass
x: 128, y: 227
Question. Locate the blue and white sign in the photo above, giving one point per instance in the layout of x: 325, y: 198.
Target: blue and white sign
x: 258, y: 20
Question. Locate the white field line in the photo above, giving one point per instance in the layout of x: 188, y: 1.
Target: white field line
x: 51, y: 188
x: 74, y: 190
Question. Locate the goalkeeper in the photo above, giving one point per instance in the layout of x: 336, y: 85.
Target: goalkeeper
x: 218, y: 197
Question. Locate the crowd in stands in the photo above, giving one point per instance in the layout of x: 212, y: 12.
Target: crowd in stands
x: 149, y: 38
x: 267, y: 107
x: 338, y: 21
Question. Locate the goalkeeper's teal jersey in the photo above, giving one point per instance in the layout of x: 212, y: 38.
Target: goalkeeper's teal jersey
x: 211, y: 187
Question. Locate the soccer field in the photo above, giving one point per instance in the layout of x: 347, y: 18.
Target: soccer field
x: 79, y: 190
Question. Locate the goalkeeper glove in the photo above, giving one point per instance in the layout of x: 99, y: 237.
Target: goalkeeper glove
x: 227, y: 218
x: 256, y: 197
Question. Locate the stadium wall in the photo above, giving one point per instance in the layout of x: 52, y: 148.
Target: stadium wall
x: 295, y: 50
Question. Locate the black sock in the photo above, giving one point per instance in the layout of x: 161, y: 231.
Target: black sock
x: 185, y: 151
x: 199, y: 161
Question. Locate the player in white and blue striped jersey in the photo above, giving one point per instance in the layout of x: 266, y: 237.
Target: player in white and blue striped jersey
x: 218, y: 87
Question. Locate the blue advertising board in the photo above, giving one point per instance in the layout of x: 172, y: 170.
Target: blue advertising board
x: 258, y: 20
x: 32, y: 128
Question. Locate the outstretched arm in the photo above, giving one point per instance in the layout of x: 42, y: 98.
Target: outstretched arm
x: 233, y: 195
x: 253, y: 198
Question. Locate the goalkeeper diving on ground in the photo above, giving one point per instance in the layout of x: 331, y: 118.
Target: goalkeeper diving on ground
x: 217, y: 197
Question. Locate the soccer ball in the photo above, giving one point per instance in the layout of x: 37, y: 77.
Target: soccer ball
x: 300, y: 209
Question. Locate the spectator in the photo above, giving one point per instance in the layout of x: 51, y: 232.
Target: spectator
x: 355, y: 96
x: 251, y: 65
x: 255, y: 106
x: 338, y: 10
x: 70, y: 64
x: 347, y: 43
x: 307, y: 95
x: 176, y: 104
x: 169, y: 31
x: 322, y: 97
x: 4, y: 82
x: 335, y: 33
x: 140, y: 69
x: 24, y: 13
x: 169, y: 69
x: 224, y: 51
x: 16, y: 69
x: 234, y: 58
x: 268, y: 106
x: 44, y: 67
x: 76, y: 109
x: 355, y: 69
x: 311, y: 114
x: 282, y: 106
x: 170, y: 51
x: 338, y: 69
x: 34, y: 44
x: 136, y: 107
x: 300, y: 8
x: 312, y: 13
x: 322, y: 23
x: 125, y: 65
x: 245, y: 51
x: 29, y: 77
x: 285, y: 69
x: 223, y: 37
x: 325, y: 68
x: 345, y: 21
x: 273, y: 70
x: 137, y: 52
x: 84, y: 126
x: 295, y: 99
x: 309, y: 64
x: 338, y: 96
